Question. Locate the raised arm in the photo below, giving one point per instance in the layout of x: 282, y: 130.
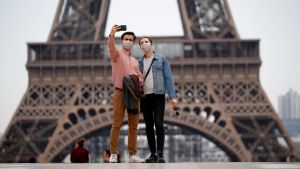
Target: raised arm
x: 113, y: 52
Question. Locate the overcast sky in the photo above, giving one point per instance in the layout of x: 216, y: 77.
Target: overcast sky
x: 275, y: 22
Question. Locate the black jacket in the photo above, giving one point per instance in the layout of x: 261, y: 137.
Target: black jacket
x: 132, y: 94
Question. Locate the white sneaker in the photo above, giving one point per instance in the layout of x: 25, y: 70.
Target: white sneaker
x: 113, y: 158
x: 135, y: 159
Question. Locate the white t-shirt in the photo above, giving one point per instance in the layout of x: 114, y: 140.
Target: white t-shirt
x: 148, y: 84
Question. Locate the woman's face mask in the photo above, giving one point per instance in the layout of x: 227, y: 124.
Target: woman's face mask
x: 146, y: 47
x: 127, y: 44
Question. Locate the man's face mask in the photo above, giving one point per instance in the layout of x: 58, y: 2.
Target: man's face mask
x: 146, y: 47
x: 127, y: 44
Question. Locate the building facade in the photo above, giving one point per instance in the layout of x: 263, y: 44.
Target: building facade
x: 289, y: 105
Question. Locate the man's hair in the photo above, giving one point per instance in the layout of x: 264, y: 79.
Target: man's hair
x: 146, y: 38
x: 80, y: 142
x: 128, y: 33
x: 107, y: 152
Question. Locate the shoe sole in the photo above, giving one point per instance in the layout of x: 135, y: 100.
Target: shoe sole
x: 161, y: 161
x: 151, y: 161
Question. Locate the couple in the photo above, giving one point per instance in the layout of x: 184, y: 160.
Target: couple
x: 158, y: 80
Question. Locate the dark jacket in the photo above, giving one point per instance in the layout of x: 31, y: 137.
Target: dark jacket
x: 80, y: 155
x: 132, y: 94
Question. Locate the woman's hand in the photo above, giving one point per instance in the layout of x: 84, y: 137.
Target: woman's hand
x: 173, y: 103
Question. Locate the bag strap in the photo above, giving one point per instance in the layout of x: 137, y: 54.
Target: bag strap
x: 148, y: 70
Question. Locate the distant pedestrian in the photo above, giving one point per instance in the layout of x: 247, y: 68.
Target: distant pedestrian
x: 32, y: 160
x: 106, y: 155
x: 80, y: 154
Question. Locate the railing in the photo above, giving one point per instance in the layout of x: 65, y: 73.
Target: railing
x: 177, y: 49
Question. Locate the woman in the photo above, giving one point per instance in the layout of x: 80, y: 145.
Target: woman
x: 157, y: 81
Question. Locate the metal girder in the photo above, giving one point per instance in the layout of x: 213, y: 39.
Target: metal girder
x: 216, y: 76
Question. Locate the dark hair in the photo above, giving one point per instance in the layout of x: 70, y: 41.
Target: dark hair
x: 128, y: 33
x: 80, y: 142
x: 32, y: 160
x: 143, y: 38
x: 107, y: 152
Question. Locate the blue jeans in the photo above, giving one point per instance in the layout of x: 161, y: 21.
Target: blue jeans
x: 153, y: 111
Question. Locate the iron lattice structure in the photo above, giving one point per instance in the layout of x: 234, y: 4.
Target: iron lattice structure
x: 216, y: 76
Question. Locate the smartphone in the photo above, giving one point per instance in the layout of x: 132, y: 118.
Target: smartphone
x: 122, y: 28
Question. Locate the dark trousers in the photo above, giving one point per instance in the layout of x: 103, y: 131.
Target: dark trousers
x: 153, y: 111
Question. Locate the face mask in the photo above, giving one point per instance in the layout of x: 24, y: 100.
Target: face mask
x: 127, y: 44
x: 146, y: 47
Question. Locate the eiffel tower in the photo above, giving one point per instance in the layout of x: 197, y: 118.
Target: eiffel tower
x: 216, y: 76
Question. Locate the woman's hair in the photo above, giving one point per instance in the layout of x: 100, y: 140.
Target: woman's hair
x: 143, y: 38
x: 128, y: 33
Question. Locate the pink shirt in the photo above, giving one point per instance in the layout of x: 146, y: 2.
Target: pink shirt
x: 123, y: 63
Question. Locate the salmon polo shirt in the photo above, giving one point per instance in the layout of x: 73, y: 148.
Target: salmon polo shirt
x: 123, y: 64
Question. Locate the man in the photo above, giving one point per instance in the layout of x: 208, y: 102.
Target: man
x: 80, y: 154
x: 106, y: 155
x: 123, y: 64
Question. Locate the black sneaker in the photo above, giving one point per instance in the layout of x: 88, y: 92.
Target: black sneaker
x: 160, y: 158
x: 152, y: 158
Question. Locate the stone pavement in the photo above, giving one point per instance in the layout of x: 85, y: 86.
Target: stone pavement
x: 216, y: 165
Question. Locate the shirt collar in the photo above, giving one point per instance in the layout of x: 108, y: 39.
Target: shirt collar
x: 128, y: 53
x: 154, y: 57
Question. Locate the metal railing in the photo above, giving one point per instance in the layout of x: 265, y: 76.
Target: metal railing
x: 179, y: 49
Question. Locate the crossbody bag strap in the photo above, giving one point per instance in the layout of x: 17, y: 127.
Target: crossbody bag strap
x: 148, y: 70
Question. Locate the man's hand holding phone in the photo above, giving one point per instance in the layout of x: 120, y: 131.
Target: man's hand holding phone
x: 122, y: 27
x: 117, y: 28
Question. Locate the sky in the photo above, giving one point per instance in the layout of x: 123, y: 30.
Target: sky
x: 275, y: 22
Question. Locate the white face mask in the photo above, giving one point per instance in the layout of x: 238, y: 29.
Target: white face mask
x: 127, y: 44
x: 146, y: 47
